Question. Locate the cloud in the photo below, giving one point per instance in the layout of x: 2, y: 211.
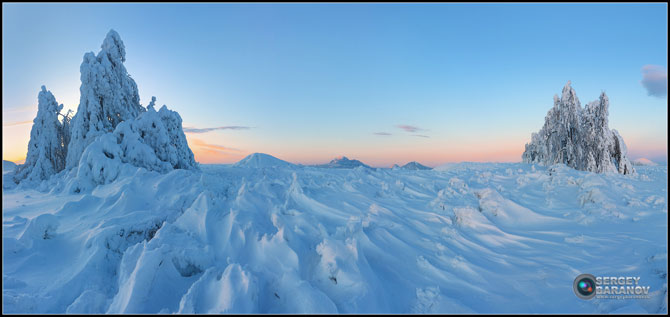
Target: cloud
x: 382, y: 133
x: 420, y: 135
x: 31, y: 108
x: 409, y: 128
x: 655, y: 80
x: 213, y: 147
x: 205, y: 130
x: 9, y: 124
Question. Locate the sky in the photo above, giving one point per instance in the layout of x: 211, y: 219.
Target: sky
x: 382, y: 83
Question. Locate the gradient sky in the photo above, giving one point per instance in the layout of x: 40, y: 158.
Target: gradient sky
x: 382, y: 83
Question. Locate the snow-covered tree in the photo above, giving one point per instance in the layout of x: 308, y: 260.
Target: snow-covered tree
x: 579, y: 138
x: 108, y: 96
x: 47, y: 148
x: 154, y: 140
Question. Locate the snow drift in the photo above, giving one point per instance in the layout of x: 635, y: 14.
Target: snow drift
x: 579, y: 138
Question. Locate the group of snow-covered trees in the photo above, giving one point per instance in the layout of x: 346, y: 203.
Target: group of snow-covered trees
x: 110, y: 126
x: 579, y: 138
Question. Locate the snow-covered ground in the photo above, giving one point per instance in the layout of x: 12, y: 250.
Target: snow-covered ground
x: 266, y: 236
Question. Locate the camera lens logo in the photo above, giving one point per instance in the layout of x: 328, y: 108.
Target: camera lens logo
x: 585, y: 286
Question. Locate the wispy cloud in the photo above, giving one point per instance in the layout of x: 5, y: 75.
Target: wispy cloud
x: 31, y: 108
x: 9, y: 124
x: 409, y: 128
x: 215, y: 147
x: 382, y: 133
x: 655, y: 80
x: 420, y: 135
x: 205, y: 130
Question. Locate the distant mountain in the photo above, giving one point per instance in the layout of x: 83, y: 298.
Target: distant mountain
x: 257, y: 160
x: 415, y: 166
x: 8, y: 166
x: 343, y: 162
x: 645, y: 162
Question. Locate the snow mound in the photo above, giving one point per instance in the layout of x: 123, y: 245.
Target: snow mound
x: 415, y: 166
x: 644, y: 162
x: 579, y: 137
x: 343, y: 162
x: 260, y: 160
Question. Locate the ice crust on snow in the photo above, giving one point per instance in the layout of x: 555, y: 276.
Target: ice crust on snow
x: 579, y: 137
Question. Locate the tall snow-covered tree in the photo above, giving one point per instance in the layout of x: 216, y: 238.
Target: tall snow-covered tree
x: 47, y: 148
x: 108, y: 96
x: 579, y: 138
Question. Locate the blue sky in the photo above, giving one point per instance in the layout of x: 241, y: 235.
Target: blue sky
x: 315, y: 81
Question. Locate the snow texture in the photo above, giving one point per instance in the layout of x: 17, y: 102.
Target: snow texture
x: 579, y: 138
x: 467, y: 238
x: 47, y: 147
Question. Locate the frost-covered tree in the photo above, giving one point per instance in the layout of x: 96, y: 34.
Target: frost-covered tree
x: 154, y: 140
x: 47, y: 148
x: 108, y: 96
x: 579, y: 138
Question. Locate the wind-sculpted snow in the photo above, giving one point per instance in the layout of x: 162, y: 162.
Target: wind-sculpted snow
x: 468, y: 238
x: 579, y: 138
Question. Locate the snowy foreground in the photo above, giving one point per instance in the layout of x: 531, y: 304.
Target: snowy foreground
x: 264, y: 235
